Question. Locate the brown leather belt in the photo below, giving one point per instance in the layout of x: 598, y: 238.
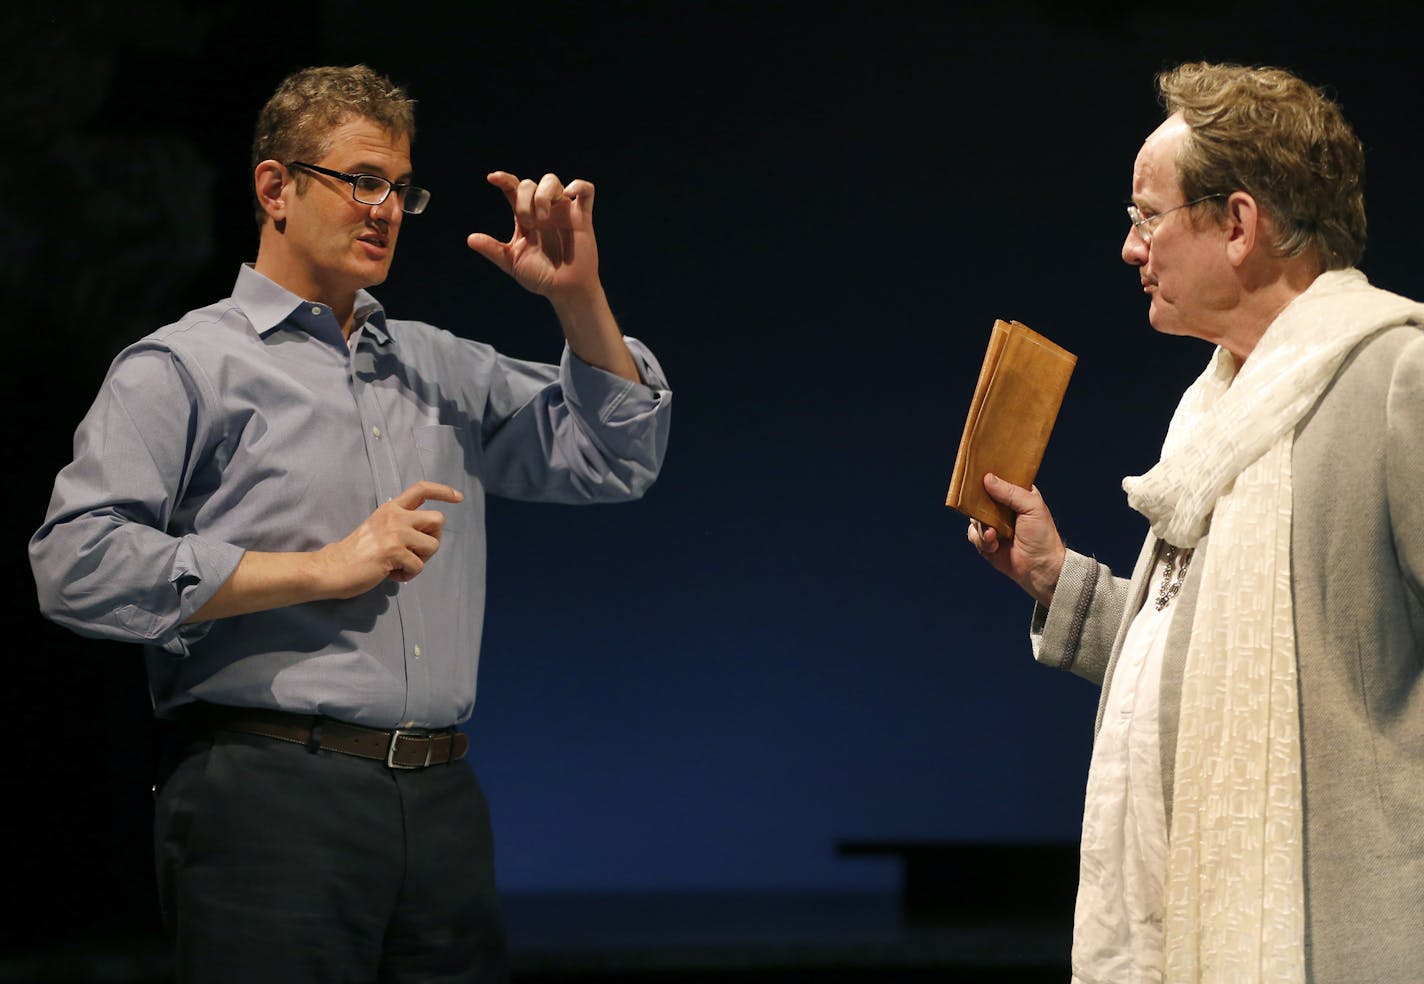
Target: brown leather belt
x: 403, y: 748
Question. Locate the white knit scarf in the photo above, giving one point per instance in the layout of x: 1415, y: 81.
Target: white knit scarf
x: 1235, y: 905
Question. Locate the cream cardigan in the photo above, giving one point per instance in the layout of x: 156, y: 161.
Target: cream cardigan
x: 1357, y: 579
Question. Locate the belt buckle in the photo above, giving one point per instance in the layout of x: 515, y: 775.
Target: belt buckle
x: 400, y: 733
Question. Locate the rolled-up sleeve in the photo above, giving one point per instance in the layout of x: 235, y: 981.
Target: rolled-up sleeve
x: 586, y: 436
x: 109, y: 560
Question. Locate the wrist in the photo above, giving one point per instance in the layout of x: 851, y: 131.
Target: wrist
x: 580, y: 304
x: 1048, y: 579
x: 314, y: 572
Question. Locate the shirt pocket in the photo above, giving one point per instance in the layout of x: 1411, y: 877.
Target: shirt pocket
x: 448, y: 455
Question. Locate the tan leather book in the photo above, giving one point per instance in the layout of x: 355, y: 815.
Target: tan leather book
x: 1016, y: 401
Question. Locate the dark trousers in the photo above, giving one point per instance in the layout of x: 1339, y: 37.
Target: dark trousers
x: 279, y: 864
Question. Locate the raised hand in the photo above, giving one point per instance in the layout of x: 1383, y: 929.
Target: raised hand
x: 1034, y: 557
x: 553, y: 253
x: 552, y: 250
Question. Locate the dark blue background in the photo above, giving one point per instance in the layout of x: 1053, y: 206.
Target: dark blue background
x: 812, y: 213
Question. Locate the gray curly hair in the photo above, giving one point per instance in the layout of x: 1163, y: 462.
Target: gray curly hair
x: 1266, y: 132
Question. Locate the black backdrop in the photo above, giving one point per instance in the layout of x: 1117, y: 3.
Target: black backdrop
x: 812, y: 213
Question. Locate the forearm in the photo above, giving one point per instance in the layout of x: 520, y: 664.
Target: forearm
x: 593, y: 334
x: 263, y: 581
x: 394, y: 543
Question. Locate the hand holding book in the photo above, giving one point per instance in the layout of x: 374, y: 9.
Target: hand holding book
x: 1016, y: 401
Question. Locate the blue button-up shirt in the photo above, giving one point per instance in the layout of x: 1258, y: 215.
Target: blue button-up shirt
x: 253, y: 425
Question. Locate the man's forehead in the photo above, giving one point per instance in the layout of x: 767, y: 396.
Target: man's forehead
x: 359, y: 140
x: 1155, y: 170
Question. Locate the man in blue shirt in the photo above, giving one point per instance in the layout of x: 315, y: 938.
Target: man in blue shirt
x: 282, y: 496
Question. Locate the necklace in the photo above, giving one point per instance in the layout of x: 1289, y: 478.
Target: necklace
x: 1173, y: 575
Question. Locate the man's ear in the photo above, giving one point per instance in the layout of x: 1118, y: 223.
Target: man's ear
x: 268, y: 180
x: 1244, y: 231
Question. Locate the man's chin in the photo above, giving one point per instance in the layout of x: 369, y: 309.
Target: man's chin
x: 1161, y: 321
x: 373, y: 275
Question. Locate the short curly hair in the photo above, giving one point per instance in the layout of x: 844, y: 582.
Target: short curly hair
x: 296, y: 123
x: 1266, y: 132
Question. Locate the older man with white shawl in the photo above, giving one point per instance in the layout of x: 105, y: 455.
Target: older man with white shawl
x: 1255, y: 802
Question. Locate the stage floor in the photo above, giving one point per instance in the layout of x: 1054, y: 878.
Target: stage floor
x: 655, y: 938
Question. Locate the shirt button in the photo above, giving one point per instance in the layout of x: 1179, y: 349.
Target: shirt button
x: 377, y: 432
x: 316, y: 309
x: 417, y: 652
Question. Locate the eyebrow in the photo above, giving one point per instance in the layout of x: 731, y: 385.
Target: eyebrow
x: 366, y: 167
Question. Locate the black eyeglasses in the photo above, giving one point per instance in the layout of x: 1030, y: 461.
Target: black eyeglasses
x: 372, y: 189
x: 1144, y: 222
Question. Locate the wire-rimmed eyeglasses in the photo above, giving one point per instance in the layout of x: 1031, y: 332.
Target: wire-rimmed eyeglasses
x: 1144, y: 223
x: 372, y: 189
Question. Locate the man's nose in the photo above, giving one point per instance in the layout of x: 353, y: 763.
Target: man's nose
x: 390, y: 209
x: 1134, y: 250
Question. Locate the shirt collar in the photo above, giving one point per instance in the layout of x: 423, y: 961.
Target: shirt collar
x: 268, y: 305
x: 369, y: 312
